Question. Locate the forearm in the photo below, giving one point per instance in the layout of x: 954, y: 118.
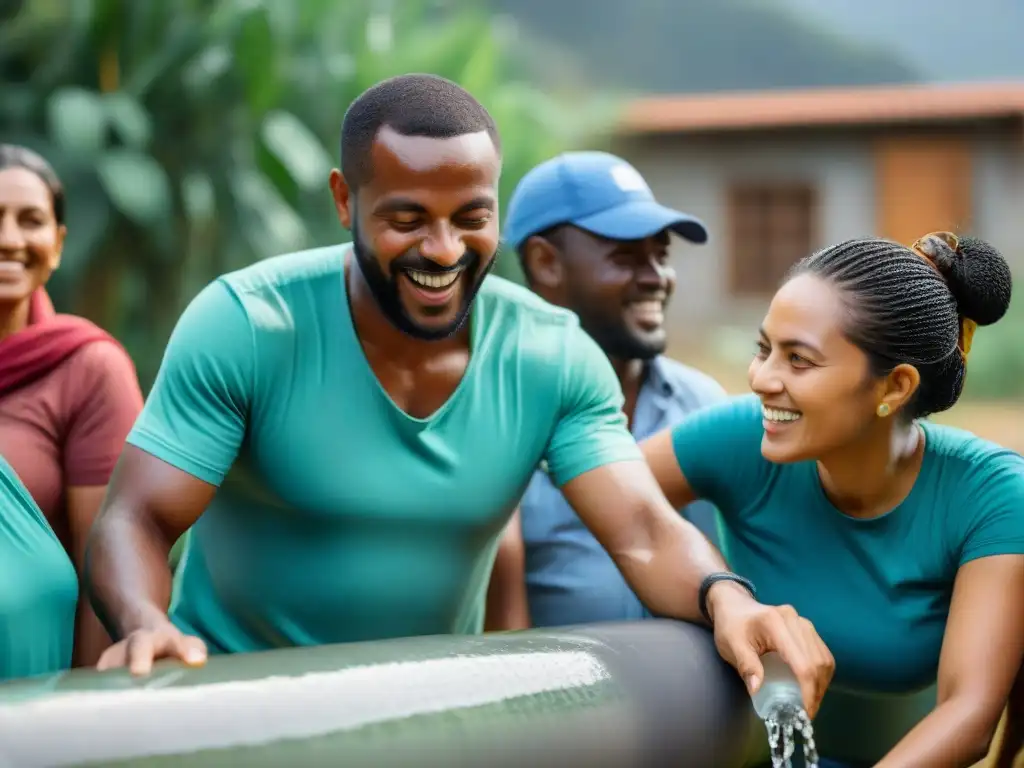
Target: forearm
x: 91, y: 639
x: 1013, y: 730
x: 666, y: 572
x: 956, y: 734
x: 127, y: 575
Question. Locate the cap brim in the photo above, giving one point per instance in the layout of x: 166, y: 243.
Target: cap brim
x: 640, y: 219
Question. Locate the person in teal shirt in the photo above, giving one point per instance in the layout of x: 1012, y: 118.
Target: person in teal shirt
x: 901, y: 540
x: 38, y: 587
x: 345, y: 431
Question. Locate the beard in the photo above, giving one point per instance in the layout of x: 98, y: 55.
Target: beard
x: 617, y: 340
x: 384, y: 287
x: 619, y: 343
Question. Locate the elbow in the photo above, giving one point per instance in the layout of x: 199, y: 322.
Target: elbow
x: 636, y: 542
x: 978, y: 730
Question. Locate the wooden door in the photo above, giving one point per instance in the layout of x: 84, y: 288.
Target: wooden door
x: 923, y: 184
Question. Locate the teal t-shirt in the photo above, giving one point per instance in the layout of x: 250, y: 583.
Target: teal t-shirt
x: 38, y: 587
x: 338, y: 517
x: 877, y: 590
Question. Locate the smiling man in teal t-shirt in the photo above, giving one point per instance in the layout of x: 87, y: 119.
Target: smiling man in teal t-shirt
x: 396, y: 515
x: 345, y: 431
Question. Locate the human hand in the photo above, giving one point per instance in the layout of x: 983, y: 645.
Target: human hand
x: 142, y: 647
x: 745, y: 630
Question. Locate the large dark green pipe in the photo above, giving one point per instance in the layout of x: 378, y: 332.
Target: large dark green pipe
x: 652, y: 693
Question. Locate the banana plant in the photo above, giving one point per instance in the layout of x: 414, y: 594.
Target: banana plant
x: 195, y: 136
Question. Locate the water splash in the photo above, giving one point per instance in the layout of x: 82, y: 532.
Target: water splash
x: 783, y: 724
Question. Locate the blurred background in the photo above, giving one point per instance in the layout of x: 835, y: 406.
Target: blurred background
x: 195, y: 137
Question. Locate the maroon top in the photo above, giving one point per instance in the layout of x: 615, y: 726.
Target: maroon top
x: 65, y: 422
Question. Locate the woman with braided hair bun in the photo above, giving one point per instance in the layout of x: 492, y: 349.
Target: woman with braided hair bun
x: 901, y: 540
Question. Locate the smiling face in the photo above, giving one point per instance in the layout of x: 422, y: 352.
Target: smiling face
x: 425, y: 227
x: 816, y: 390
x: 619, y: 289
x: 30, y: 237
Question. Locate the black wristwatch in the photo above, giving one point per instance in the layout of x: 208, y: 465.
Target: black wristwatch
x: 713, y: 578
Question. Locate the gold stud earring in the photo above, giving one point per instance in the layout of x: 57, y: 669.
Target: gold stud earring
x: 882, y: 410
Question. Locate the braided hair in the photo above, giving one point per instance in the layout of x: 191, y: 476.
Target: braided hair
x: 903, y: 308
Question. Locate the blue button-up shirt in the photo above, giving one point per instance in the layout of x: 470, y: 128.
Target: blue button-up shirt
x: 569, y: 576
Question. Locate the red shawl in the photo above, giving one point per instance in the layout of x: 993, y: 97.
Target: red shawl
x: 47, y: 341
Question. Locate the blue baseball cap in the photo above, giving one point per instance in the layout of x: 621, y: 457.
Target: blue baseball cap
x: 597, y: 192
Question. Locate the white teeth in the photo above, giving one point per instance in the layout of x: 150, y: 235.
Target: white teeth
x: 648, y: 306
x: 433, y: 280
x: 775, y: 414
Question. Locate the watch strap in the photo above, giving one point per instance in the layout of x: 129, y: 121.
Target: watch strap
x: 713, y: 578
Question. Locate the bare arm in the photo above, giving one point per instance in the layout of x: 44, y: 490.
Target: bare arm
x: 507, y: 604
x: 665, y: 559
x: 662, y: 556
x: 91, y: 639
x: 620, y: 495
x: 1012, y: 743
x: 148, y: 506
x: 981, y: 657
x: 661, y: 458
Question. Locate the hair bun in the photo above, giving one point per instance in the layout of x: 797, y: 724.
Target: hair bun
x: 978, y: 276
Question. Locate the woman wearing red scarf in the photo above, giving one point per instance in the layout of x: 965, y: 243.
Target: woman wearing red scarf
x: 68, y: 397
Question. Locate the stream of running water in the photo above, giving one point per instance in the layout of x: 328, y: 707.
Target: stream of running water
x: 783, y: 724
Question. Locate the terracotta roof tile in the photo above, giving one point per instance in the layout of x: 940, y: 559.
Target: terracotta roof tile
x: 822, y: 107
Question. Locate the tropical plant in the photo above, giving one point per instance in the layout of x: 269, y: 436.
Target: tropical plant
x: 195, y: 136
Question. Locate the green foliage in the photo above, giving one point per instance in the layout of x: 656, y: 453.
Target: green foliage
x: 196, y: 136
x: 996, y: 365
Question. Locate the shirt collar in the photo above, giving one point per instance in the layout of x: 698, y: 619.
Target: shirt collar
x: 657, y: 379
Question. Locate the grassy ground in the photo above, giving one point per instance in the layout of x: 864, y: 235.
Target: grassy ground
x: 999, y: 422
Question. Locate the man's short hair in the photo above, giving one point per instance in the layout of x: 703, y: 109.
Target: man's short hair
x: 412, y: 105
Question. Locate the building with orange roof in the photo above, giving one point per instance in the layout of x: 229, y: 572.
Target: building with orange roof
x: 777, y: 174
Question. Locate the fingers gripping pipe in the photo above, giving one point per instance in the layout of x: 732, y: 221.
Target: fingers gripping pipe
x: 651, y: 693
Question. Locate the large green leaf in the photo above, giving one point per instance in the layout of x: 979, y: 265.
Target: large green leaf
x: 212, y: 146
x: 129, y: 119
x: 198, y: 197
x: 77, y: 121
x: 298, y: 149
x: 256, y: 57
x: 271, y: 226
x: 136, y: 184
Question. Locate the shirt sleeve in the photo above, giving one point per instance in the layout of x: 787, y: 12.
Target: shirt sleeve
x: 719, y: 452
x: 196, y: 414
x: 103, y: 408
x: 592, y: 430
x: 995, y: 502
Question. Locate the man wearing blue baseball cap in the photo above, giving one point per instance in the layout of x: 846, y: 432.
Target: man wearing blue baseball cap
x: 592, y: 238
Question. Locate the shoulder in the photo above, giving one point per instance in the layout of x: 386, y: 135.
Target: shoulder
x: 268, y: 289
x: 978, y: 493
x: 733, y: 424
x: 287, y: 269
x: 972, y: 465
x: 101, y: 398
x: 528, y: 329
x: 740, y: 411
x: 101, y: 362
x: 695, y: 389
x: 506, y: 302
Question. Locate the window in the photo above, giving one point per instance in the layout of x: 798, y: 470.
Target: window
x: 772, y: 226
